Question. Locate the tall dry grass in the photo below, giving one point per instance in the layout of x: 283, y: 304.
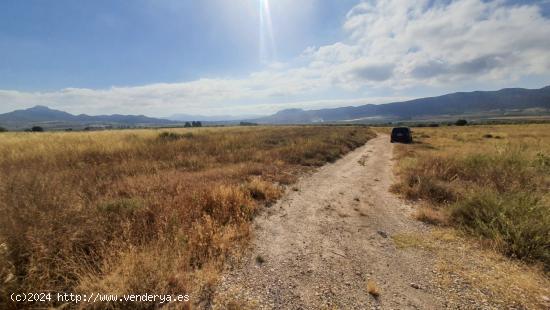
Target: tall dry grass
x: 144, y: 211
x: 492, y: 181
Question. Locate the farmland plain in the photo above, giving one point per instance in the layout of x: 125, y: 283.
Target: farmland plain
x: 171, y: 211
x: 144, y: 210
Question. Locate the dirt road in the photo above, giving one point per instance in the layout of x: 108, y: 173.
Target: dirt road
x: 320, y: 244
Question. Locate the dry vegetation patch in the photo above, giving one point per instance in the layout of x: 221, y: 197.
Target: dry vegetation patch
x: 373, y: 289
x: 144, y: 211
x: 493, y: 184
x: 467, y: 271
x: 496, y: 189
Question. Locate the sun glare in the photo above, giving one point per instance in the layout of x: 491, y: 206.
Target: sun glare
x: 267, y: 40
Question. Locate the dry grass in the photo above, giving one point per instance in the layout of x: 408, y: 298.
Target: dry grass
x: 146, y: 210
x: 430, y: 215
x: 406, y: 240
x: 373, y: 289
x: 491, y: 181
x: 470, y: 271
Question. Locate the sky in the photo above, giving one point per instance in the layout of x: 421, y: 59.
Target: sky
x: 252, y: 57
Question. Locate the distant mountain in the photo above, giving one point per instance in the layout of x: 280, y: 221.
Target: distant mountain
x: 498, y: 102
x: 37, y: 114
x: 42, y: 115
x: 509, y: 101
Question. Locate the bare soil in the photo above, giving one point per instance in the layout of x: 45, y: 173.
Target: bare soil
x: 332, y: 233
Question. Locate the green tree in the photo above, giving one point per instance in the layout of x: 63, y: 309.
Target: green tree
x: 461, y: 122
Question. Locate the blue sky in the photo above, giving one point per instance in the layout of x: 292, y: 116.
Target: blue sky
x: 49, y: 45
x: 160, y: 57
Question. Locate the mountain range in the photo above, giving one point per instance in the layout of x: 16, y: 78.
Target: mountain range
x: 508, y: 101
x: 44, y: 116
x: 501, y: 102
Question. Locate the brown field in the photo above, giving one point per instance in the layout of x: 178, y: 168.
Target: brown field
x: 488, y: 188
x: 143, y: 210
x: 491, y: 181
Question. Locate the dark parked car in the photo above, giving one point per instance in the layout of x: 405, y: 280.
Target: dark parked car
x: 401, y: 134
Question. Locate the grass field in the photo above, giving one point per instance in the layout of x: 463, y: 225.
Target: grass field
x: 492, y: 182
x: 145, y: 210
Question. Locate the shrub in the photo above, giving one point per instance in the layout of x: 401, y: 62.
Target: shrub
x: 247, y: 124
x: 519, y: 223
x: 172, y: 136
x: 542, y: 162
x: 461, y: 122
x: 427, y: 179
x: 262, y: 190
x: 2, y: 129
x: 37, y: 129
x: 425, y: 187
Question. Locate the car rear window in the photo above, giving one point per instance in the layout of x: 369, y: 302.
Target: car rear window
x: 400, y: 131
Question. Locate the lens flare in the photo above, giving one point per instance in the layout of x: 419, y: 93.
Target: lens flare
x: 267, y: 40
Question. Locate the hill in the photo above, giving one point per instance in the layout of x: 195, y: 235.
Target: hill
x: 508, y: 102
x: 42, y: 115
x: 502, y: 102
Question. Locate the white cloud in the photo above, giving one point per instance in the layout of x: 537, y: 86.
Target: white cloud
x: 392, y: 44
x: 445, y: 42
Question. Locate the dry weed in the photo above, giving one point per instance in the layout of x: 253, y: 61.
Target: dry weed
x: 373, y: 289
x: 138, y: 211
